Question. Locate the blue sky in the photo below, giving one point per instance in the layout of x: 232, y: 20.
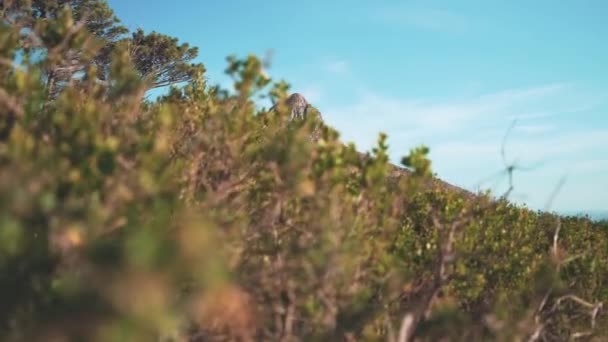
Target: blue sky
x: 449, y: 74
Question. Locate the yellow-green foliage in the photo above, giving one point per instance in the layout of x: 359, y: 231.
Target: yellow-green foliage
x: 200, y: 215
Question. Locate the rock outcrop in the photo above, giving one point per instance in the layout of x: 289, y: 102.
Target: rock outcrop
x: 300, y: 109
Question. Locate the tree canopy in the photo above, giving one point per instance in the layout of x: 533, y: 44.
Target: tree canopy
x: 160, y: 59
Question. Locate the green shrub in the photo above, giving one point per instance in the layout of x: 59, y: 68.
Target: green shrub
x: 200, y: 215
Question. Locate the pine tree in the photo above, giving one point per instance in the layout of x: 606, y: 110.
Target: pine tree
x: 162, y: 59
x: 159, y: 58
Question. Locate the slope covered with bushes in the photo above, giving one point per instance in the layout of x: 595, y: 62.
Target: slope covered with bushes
x: 199, y: 216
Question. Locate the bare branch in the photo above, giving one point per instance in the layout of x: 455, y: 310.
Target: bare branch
x: 407, y: 328
x: 556, y: 238
x: 577, y: 300
x: 509, y: 167
x: 555, y: 192
x: 504, y: 142
x: 11, y: 103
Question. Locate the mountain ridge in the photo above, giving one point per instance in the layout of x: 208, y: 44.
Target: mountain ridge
x: 300, y: 108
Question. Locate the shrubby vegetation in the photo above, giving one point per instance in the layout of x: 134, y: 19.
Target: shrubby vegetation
x: 199, y: 216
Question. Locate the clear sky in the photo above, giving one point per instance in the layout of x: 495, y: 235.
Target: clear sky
x: 449, y: 74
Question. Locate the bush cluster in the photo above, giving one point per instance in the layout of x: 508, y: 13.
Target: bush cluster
x: 201, y: 216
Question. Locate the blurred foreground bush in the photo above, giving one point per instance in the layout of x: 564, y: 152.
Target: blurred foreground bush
x: 200, y: 217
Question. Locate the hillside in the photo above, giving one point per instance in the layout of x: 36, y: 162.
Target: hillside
x: 199, y: 217
x: 298, y: 108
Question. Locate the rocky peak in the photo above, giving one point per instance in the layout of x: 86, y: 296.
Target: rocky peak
x: 298, y: 105
x: 300, y: 109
